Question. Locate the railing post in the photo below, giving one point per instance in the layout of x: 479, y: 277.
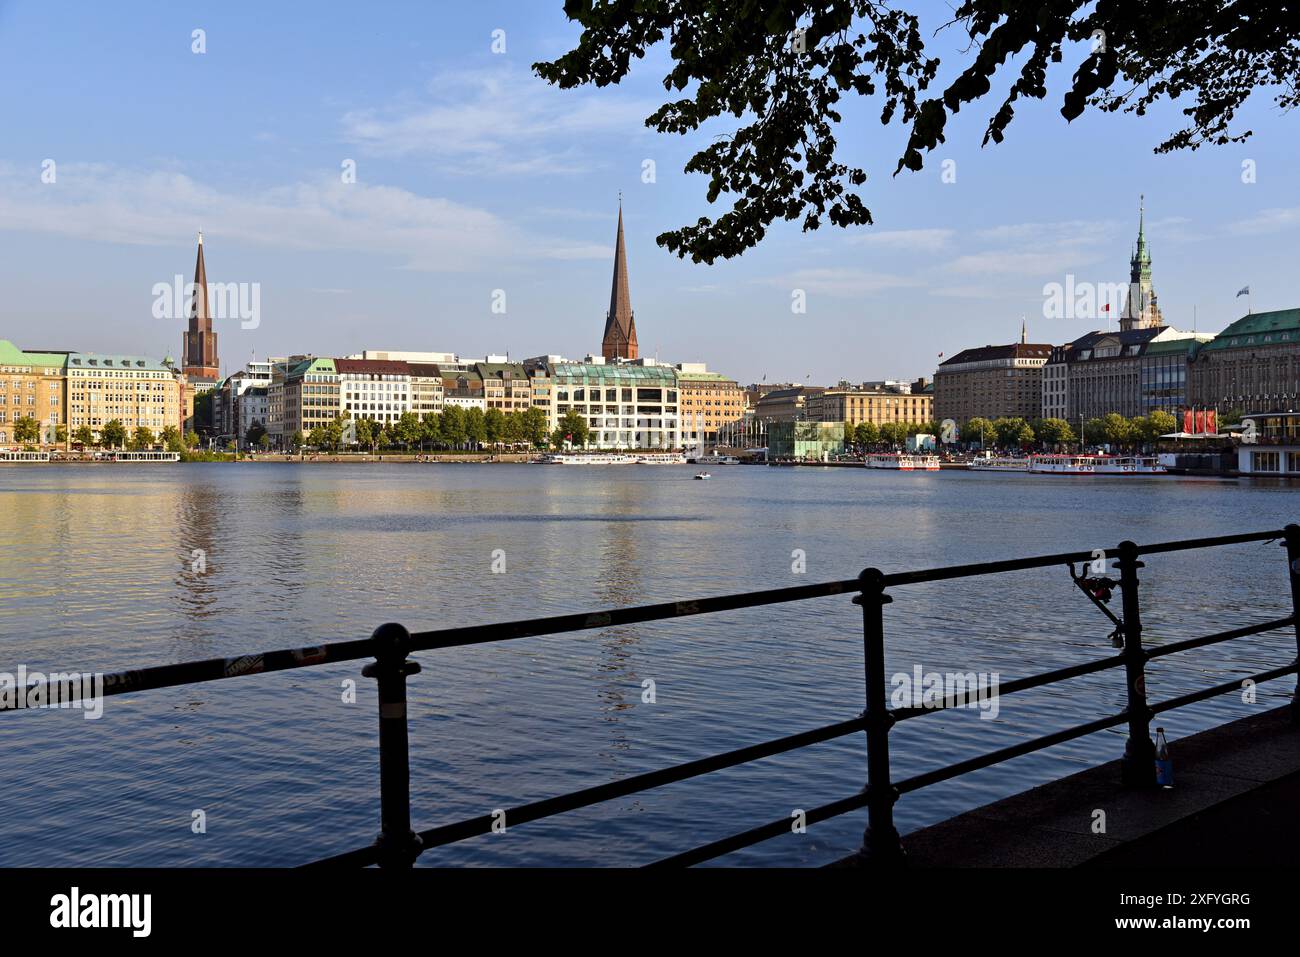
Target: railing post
x: 1138, y: 768
x: 1293, y: 572
x: 398, y: 844
x: 880, y: 841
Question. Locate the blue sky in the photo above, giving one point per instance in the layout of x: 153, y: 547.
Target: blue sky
x: 473, y: 175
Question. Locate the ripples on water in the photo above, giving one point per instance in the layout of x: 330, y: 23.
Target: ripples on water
x: 94, y: 575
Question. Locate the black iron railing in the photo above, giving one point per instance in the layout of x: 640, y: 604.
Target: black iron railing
x: 398, y: 845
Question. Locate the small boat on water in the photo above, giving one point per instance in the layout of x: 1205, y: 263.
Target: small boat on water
x: 703, y: 475
x: 903, y: 462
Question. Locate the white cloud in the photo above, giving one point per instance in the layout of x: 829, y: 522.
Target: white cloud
x: 909, y: 240
x: 839, y: 281
x: 155, y: 208
x: 1266, y: 221
x: 498, y: 121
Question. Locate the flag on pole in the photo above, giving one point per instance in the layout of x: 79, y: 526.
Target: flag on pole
x: 1243, y: 291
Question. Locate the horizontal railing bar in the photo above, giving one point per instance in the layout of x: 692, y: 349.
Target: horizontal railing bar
x: 764, y: 832
x: 982, y: 761
x: 1224, y: 688
x: 1066, y: 558
x: 1020, y: 684
x: 1214, y: 639
x: 781, y: 826
x: 214, y: 669
x: 558, y: 624
x: 473, y: 827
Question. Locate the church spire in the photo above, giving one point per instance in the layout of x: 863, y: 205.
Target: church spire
x: 620, y: 325
x: 199, y: 342
x: 1141, y: 310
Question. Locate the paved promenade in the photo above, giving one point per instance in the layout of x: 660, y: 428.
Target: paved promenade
x: 1235, y: 804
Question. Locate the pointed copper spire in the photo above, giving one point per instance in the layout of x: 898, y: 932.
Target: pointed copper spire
x: 620, y: 326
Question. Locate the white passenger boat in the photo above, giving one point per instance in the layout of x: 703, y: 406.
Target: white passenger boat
x: 1096, y: 465
x: 588, y: 458
x: 146, y: 456
x: 18, y: 455
x: 662, y: 458
x: 993, y: 463
x: 904, y: 462
x: 715, y: 459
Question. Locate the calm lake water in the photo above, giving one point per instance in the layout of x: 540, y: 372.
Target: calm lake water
x: 95, y: 575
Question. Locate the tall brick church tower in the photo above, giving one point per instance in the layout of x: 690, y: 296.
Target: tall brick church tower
x: 199, y: 342
x: 620, y: 324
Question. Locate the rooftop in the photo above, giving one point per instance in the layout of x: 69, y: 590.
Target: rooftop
x: 1253, y: 328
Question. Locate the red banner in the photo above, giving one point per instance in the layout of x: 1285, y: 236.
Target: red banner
x: 1187, y: 420
x: 1200, y: 422
x: 1211, y: 421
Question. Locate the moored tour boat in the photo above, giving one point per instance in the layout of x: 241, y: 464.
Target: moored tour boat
x: 903, y: 462
x: 1096, y: 465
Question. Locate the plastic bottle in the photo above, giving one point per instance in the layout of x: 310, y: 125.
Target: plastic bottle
x: 1164, y: 765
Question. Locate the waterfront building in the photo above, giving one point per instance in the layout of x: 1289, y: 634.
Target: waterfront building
x: 1103, y: 372
x: 32, y: 385
x: 505, y: 385
x: 786, y: 405
x: 1275, y: 451
x: 992, y: 381
x: 199, y: 343
x: 877, y: 403
x: 463, y: 388
x: 627, y: 405
x: 1252, y: 364
x: 1164, y: 371
x: 376, y: 389
x: 540, y: 379
x: 709, y: 401
x: 425, y: 358
x: 303, y: 395
x: 137, y: 391
x: 252, y: 409
x: 619, y: 341
x: 1056, y: 399
x: 805, y: 441
x: 427, y: 389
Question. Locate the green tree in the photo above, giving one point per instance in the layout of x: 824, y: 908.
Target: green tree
x: 26, y: 430
x: 534, y: 426
x: 1117, y: 429
x: 1012, y: 432
x: 84, y: 436
x: 408, y: 430
x: 452, y: 427
x: 475, y: 426
x: 1161, y: 423
x: 256, y: 432
x: 978, y: 430
x: 494, y: 426
x: 1094, y: 431
x: 780, y: 70
x: 297, y: 441
x: 572, y: 428
x: 316, y: 438
x: 143, y: 439
x: 171, y: 439
x: 366, y: 433
x: 893, y: 433
x: 1054, y: 432
x: 264, y: 442
x: 191, y: 439
x: 113, y: 434
x: 867, y: 434
x: 333, y: 433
